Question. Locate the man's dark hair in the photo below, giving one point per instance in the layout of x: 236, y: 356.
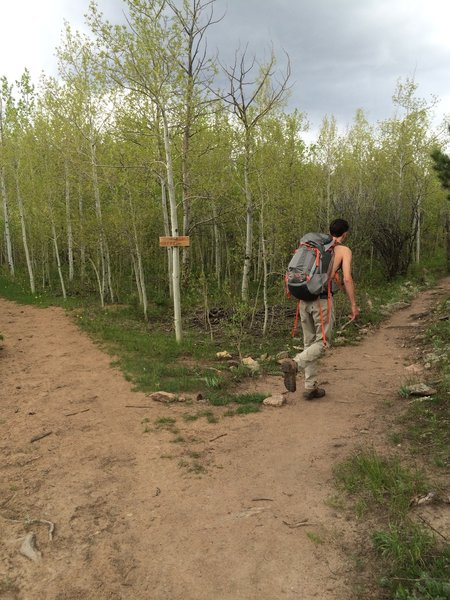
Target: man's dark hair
x: 338, y: 227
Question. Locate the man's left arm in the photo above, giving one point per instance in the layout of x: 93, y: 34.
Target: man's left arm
x: 348, y: 281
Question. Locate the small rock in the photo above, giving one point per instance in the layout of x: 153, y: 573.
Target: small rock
x: 275, y: 400
x: 223, y: 355
x: 420, y: 389
x: 251, y: 364
x: 415, y: 369
x: 282, y: 355
x: 364, y: 330
x: 166, y: 397
x: 421, y: 500
x: 28, y: 548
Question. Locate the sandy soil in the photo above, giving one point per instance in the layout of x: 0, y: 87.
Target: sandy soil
x: 135, y: 519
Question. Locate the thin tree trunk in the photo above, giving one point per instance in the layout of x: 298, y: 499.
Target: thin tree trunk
x: 82, y: 242
x: 100, y: 283
x: 174, y: 231
x: 265, y: 271
x: 166, y: 222
x: 103, y: 245
x: 249, y: 224
x: 24, y: 232
x: 185, y: 173
x: 58, y: 260
x: 9, y: 254
x: 140, y: 270
x: 217, y: 248
x: 136, y: 278
x: 418, y: 227
x: 68, y: 221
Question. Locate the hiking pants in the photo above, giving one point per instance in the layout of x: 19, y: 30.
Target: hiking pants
x: 314, y: 324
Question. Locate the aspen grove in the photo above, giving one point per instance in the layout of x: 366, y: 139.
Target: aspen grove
x: 144, y: 134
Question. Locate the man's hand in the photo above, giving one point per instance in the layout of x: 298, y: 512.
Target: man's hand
x: 355, y: 313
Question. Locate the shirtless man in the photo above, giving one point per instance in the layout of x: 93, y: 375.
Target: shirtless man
x: 315, y: 321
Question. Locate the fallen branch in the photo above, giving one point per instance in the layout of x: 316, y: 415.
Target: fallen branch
x: 347, y: 323
x: 432, y: 528
x: 262, y: 499
x: 218, y: 436
x: 77, y: 413
x: 50, y: 525
x: 40, y: 436
x: 343, y: 327
x: 26, y: 522
x: 297, y: 524
x: 136, y: 406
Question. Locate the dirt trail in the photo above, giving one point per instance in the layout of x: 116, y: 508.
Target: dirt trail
x: 132, y: 522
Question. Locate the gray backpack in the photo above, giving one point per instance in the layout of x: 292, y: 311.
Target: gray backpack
x: 307, y: 272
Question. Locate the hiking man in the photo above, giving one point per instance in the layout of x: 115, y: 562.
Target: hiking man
x: 317, y: 317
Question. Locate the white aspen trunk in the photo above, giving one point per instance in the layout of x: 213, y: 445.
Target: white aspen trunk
x: 47, y: 265
x: 100, y: 283
x: 142, y: 281
x: 24, y: 233
x: 68, y: 221
x: 9, y: 253
x: 249, y: 227
x: 174, y: 231
x: 185, y: 170
x: 82, y: 244
x: 104, y: 251
x: 58, y: 260
x: 167, y: 233
x: 140, y: 275
x: 136, y: 278
x: 43, y: 263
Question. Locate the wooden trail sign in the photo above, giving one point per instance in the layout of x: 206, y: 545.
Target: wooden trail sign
x: 168, y: 241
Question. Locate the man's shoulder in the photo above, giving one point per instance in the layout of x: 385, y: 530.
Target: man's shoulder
x: 342, y: 250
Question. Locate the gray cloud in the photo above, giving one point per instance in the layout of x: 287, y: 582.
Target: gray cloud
x: 345, y: 54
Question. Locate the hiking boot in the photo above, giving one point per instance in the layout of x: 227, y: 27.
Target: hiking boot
x: 313, y: 394
x: 289, y: 368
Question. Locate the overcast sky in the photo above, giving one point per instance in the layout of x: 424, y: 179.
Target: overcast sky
x: 345, y: 54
